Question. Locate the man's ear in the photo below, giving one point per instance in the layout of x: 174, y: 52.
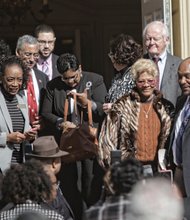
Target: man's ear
x: 54, y: 162
x: 17, y: 53
x: 167, y: 40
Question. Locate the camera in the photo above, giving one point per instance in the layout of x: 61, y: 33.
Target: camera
x: 115, y: 156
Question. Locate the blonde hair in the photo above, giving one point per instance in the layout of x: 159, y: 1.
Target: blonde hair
x: 144, y: 65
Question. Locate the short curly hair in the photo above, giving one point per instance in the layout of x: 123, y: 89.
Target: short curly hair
x: 125, y: 50
x: 122, y: 176
x: 14, y: 60
x: 144, y: 65
x: 27, y: 181
x: 67, y: 62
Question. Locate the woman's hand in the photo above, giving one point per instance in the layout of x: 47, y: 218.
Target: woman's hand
x: 107, y: 107
x: 16, y: 137
x: 81, y: 98
x: 67, y: 125
x: 31, y: 134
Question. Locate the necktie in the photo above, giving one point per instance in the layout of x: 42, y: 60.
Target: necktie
x: 156, y: 59
x: 45, y: 68
x: 32, y: 104
x: 181, y: 132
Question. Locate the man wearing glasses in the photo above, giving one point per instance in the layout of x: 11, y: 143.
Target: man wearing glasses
x: 156, y: 40
x: 47, y: 60
x: 27, y: 49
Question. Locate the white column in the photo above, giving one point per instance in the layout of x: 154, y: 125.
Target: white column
x: 184, y: 7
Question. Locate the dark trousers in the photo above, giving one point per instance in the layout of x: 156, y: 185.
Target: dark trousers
x: 179, y: 181
x: 75, y: 183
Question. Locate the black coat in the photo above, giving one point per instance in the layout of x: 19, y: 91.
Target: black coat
x: 53, y: 106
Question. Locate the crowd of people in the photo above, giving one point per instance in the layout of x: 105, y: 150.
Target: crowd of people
x: 141, y: 169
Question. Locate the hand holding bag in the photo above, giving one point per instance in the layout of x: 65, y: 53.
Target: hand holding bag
x: 80, y: 140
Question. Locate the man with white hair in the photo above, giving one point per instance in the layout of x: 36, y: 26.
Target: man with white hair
x: 156, y: 41
x: 155, y: 199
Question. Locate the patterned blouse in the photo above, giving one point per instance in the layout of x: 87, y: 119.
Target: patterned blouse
x: 114, y: 207
x: 29, y: 206
x: 122, y: 84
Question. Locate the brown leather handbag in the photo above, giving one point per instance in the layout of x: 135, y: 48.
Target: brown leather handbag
x: 80, y: 141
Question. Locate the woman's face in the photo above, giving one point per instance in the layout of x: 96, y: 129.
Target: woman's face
x: 146, y: 84
x: 71, y: 77
x: 12, y: 79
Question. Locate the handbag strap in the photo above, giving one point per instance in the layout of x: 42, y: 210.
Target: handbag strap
x: 89, y: 109
x: 66, y: 107
x: 90, y: 121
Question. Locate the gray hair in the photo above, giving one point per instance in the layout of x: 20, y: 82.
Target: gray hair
x: 155, y: 199
x: 25, y: 39
x: 163, y: 28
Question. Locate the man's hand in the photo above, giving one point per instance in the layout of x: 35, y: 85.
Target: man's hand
x: 38, y: 123
x: 31, y: 134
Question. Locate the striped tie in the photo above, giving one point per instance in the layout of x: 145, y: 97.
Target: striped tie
x: 156, y: 60
x: 45, y: 68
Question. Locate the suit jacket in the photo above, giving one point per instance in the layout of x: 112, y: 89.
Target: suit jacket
x: 54, y: 66
x: 42, y: 80
x: 6, y: 149
x: 55, y: 71
x: 169, y: 85
x: 61, y: 205
x: 185, y: 145
x: 56, y: 93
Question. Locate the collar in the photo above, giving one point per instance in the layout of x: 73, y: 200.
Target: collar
x: 161, y: 56
x: 48, y: 60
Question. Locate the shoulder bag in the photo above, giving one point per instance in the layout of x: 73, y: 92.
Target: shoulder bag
x: 81, y: 141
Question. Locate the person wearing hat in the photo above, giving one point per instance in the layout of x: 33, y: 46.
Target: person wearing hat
x: 46, y: 150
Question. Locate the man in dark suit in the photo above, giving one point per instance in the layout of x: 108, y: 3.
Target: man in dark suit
x: 46, y: 150
x: 47, y: 61
x: 156, y: 40
x: 27, y: 49
x: 180, y: 135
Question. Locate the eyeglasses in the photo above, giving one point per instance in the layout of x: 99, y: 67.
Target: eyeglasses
x: 43, y: 42
x: 29, y: 55
x: 72, y: 78
x: 150, y: 82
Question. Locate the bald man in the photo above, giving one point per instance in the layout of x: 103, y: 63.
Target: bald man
x: 180, y: 135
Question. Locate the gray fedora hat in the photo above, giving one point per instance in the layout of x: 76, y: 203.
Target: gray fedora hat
x: 46, y: 147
